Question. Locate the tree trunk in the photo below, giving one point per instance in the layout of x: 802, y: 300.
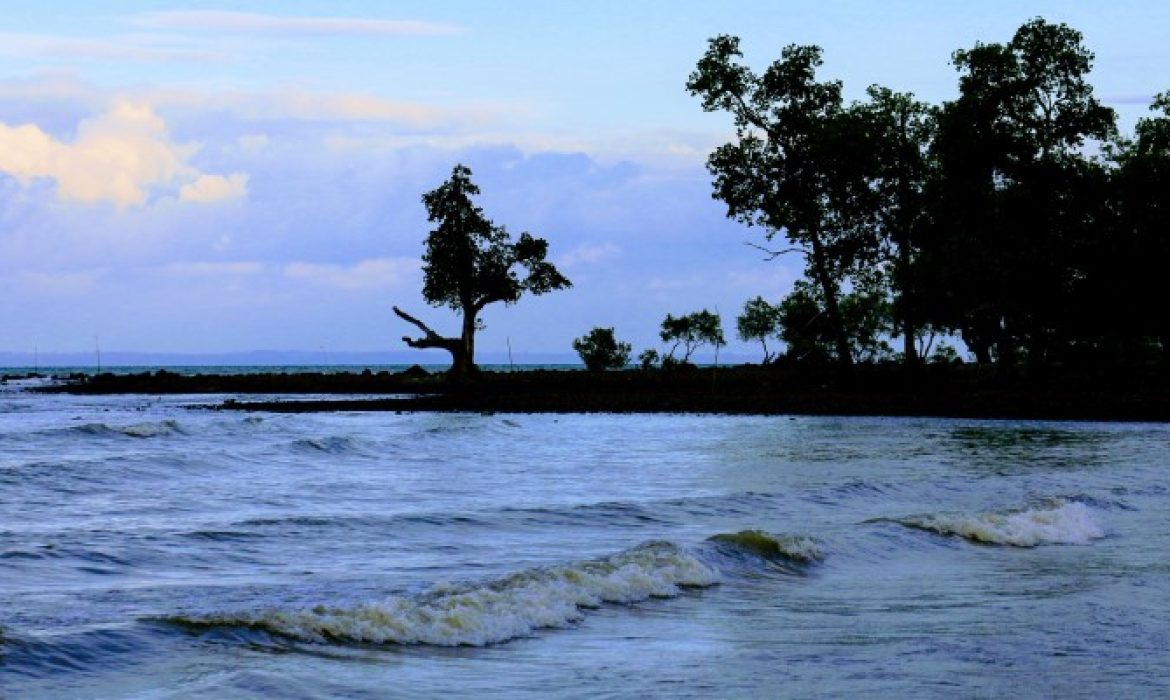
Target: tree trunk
x: 458, y: 347
x: 832, y: 308
x: 465, y: 363
x: 1005, y: 350
x: 1165, y: 338
x: 909, y: 329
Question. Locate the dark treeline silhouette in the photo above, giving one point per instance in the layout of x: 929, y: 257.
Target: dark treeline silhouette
x: 1014, y: 216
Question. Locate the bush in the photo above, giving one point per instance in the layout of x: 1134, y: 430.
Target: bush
x: 601, y: 351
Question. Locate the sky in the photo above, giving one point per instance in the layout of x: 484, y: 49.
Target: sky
x: 233, y: 176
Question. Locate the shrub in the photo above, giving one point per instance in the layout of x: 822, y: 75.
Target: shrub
x: 600, y: 351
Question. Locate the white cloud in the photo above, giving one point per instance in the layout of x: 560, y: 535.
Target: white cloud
x: 305, y: 106
x: 215, y: 188
x: 119, y: 157
x: 367, y: 274
x: 64, y: 282
x: 250, y: 22
x: 296, y: 104
x: 253, y: 143
x: 133, y: 48
x: 210, y: 269
x: 588, y: 254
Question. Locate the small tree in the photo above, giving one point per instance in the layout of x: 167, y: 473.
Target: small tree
x: 691, y: 332
x: 469, y: 263
x: 648, y: 358
x: 601, y: 351
x: 804, y: 325
x: 759, y: 321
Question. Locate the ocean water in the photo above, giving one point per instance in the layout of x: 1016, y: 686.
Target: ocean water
x: 153, y: 549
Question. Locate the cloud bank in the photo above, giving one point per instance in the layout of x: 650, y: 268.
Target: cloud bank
x: 256, y: 23
x: 120, y: 156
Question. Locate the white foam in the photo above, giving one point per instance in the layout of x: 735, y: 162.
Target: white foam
x: 1060, y: 522
x: 499, y: 611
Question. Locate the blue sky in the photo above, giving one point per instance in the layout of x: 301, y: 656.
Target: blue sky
x: 236, y: 176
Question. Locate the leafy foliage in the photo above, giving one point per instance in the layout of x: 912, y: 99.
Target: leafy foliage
x: 1016, y: 211
x: 759, y: 321
x: 803, y: 325
x: 690, y: 332
x: 599, y: 350
x: 469, y: 262
x: 794, y: 166
x: 648, y: 358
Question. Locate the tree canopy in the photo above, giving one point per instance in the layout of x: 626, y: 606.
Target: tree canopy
x: 470, y: 262
x: 690, y: 332
x: 1013, y: 215
x: 600, y: 350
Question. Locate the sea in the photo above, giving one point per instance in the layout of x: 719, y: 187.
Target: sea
x: 154, y: 547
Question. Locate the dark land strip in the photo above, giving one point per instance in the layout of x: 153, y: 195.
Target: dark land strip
x: 944, y: 391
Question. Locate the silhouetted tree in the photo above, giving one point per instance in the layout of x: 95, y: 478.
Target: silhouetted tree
x: 759, y: 321
x: 1012, y: 209
x: 1139, y: 299
x: 865, y: 311
x: 469, y: 263
x: 901, y: 131
x: 794, y: 167
x: 691, y: 332
x: 599, y: 350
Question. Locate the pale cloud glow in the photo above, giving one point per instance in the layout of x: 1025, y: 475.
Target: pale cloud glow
x: 145, y: 49
x: 211, y: 269
x: 297, y: 104
x: 375, y: 273
x: 117, y: 157
x: 254, y: 143
x: 66, y: 282
x: 588, y: 254
x: 257, y: 23
x: 215, y: 188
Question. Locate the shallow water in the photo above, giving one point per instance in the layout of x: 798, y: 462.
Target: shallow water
x: 148, y: 549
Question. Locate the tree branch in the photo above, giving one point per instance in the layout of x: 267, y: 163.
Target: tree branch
x: 431, y: 339
x: 773, y: 254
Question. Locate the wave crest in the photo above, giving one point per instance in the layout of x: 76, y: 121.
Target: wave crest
x: 135, y: 430
x: 491, y: 613
x: 1057, y: 522
x: 796, y: 548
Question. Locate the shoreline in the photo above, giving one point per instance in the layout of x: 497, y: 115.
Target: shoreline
x: 933, y: 391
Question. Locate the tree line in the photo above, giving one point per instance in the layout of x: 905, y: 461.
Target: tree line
x: 1015, y: 216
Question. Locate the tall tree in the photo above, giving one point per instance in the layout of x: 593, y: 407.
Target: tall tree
x: 1136, y: 278
x: 793, y: 168
x: 469, y: 263
x: 1014, y: 168
x: 759, y: 321
x: 901, y: 130
x: 691, y: 331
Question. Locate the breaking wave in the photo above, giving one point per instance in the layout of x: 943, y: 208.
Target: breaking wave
x: 1056, y: 522
x: 793, y: 548
x: 334, y: 445
x: 491, y: 613
x: 135, y: 430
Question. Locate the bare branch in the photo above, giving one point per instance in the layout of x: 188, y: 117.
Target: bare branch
x: 431, y: 339
x: 773, y: 254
